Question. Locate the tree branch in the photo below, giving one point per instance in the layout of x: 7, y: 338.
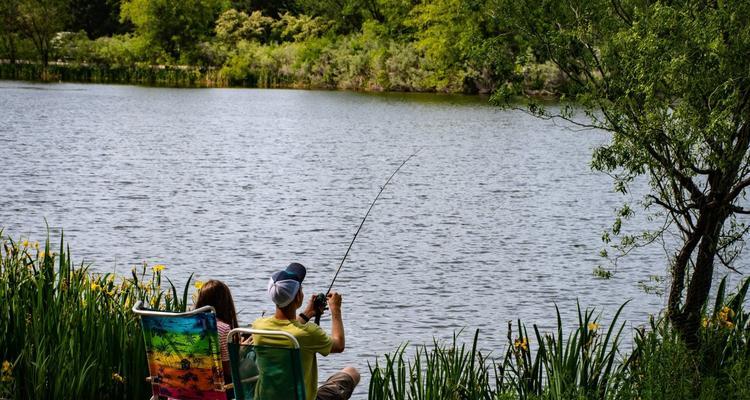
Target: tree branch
x: 695, y: 193
x: 620, y: 11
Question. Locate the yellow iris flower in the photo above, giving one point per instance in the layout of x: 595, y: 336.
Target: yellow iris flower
x: 522, y: 344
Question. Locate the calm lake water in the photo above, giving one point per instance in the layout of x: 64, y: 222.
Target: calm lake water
x: 498, y: 217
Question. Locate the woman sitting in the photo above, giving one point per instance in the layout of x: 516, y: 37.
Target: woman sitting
x: 216, y: 294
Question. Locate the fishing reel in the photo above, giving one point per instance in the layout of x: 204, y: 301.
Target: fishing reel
x: 321, y: 304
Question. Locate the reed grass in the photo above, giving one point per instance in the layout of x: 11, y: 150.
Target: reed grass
x: 586, y: 363
x: 442, y: 372
x: 173, y: 76
x: 68, y: 333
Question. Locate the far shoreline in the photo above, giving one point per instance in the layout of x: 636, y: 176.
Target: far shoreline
x: 198, y: 77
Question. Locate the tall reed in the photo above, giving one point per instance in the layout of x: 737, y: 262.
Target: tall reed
x: 449, y: 372
x: 585, y: 364
x: 68, y: 333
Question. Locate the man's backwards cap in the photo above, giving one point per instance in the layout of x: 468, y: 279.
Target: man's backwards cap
x: 284, y: 285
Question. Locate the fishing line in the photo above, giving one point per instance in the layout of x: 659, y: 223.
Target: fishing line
x: 320, y: 299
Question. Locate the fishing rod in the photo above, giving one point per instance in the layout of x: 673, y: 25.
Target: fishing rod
x: 320, y: 298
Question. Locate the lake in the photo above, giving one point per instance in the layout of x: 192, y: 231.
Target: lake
x: 498, y: 217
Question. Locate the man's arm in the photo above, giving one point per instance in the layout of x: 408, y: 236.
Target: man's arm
x: 337, y: 323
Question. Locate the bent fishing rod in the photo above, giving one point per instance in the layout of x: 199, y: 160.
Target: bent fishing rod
x: 320, y: 298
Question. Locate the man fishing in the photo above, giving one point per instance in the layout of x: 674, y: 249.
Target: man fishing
x: 285, y: 290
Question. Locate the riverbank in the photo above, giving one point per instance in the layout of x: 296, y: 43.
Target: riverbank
x: 539, y: 80
x: 57, y: 318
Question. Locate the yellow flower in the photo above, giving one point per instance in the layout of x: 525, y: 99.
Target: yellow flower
x: 198, y: 285
x: 7, y: 366
x: 729, y: 325
x: 521, y: 343
x: 36, y: 245
x: 116, y: 377
x: 95, y: 287
x: 158, y: 268
x: 153, y: 302
x: 25, y: 244
x: 727, y: 312
x: 706, y: 322
x: 593, y: 326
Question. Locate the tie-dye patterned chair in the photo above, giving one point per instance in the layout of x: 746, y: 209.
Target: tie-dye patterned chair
x: 266, y: 372
x: 184, y: 356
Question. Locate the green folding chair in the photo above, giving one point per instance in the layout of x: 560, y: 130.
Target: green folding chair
x: 183, y: 352
x: 266, y: 372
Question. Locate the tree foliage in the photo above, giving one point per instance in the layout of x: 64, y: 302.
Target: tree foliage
x: 670, y: 81
x: 174, y: 26
x: 10, y: 28
x: 41, y: 20
x: 95, y: 17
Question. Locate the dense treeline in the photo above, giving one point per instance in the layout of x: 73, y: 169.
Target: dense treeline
x: 428, y: 45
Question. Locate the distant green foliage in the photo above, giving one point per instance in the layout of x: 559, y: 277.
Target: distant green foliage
x: 40, y: 21
x: 431, y: 45
x: 97, y: 18
x: 173, y: 26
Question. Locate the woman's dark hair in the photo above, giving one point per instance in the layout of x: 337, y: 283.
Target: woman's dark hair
x: 216, y: 294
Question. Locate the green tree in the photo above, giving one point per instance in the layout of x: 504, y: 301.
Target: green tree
x: 233, y: 26
x: 347, y: 15
x: 272, y: 8
x: 670, y: 82
x: 10, y: 27
x: 174, y: 26
x: 96, y: 17
x: 462, y: 43
x: 41, y: 20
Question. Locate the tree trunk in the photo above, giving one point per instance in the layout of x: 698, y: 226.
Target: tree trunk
x: 687, y: 320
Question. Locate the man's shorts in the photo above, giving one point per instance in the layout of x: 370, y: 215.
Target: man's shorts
x: 338, y: 387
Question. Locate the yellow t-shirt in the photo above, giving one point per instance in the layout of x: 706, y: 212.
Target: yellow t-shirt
x: 312, y: 339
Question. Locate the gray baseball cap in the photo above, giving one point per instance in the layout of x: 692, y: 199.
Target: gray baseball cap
x: 284, y: 285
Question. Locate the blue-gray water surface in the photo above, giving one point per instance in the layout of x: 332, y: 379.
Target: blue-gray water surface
x: 498, y: 217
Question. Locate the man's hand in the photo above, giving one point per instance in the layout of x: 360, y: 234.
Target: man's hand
x: 310, y: 309
x: 337, y: 324
x: 334, y: 302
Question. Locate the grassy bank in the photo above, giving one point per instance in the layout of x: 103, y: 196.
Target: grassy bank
x: 538, y: 80
x: 134, y: 74
x: 66, y: 332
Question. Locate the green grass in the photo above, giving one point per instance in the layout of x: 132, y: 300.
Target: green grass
x: 68, y: 333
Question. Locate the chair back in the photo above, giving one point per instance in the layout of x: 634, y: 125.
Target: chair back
x: 183, y: 351
x: 266, y: 372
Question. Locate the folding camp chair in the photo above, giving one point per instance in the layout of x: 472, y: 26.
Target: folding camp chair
x: 266, y: 372
x: 184, y: 356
